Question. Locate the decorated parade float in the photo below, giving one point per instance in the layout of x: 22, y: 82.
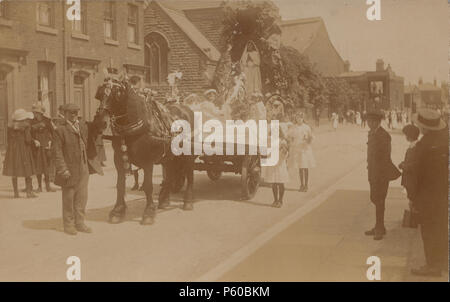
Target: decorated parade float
x: 255, y: 78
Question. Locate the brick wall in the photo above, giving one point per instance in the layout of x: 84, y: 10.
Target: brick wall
x: 183, y: 55
x: 48, y: 47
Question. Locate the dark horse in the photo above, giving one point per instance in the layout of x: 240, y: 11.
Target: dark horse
x: 143, y: 145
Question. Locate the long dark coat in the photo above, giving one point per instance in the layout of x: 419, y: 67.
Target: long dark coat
x: 379, y: 163
x: 68, y: 152
x: 19, y: 160
x: 42, y: 132
x: 409, y: 171
x: 431, y: 196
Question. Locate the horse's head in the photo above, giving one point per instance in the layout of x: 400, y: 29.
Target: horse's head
x: 112, y: 95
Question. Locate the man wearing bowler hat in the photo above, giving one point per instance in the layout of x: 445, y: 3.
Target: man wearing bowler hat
x: 431, y: 198
x: 75, y: 156
x: 380, y: 169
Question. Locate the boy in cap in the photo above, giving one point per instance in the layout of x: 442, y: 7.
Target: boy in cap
x: 380, y: 169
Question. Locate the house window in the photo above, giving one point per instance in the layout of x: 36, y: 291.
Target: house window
x: 109, y: 20
x: 46, y: 86
x: 45, y: 14
x: 156, y: 54
x: 132, y: 24
x: 79, y: 26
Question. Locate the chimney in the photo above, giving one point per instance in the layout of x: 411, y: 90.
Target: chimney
x: 346, y: 66
x: 435, y: 82
x: 420, y: 81
x: 380, y: 65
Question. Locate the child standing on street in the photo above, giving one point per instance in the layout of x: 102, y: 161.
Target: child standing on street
x: 278, y: 174
x: 19, y: 156
x: 302, y: 157
x: 409, y: 179
x: 42, y: 134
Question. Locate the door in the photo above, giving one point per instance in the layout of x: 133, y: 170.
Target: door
x: 79, y: 94
x: 3, y: 110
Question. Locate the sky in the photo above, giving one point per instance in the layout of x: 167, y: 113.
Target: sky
x: 412, y: 35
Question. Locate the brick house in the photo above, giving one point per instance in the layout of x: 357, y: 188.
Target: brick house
x: 44, y: 56
x: 381, y: 85
x: 188, y: 36
x: 182, y: 36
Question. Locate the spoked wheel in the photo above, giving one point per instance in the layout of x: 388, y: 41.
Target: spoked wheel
x: 250, y: 176
x: 214, y: 175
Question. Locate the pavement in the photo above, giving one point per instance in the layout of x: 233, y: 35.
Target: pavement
x: 328, y: 244
x: 223, y: 236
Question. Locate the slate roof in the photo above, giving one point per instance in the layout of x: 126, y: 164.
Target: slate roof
x: 300, y: 33
x: 194, y: 34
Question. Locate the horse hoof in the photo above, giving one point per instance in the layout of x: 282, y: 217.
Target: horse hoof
x: 163, y: 205
x: 188, y: 206
x: 115, y: 219
x: 147, y: 220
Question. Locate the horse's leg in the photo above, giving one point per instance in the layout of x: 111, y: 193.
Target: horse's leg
x: 164, y: 193
x: 189, y: 194
x: 117, y: 214
x: 150, y: 210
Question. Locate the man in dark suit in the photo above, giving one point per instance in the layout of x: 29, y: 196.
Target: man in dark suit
x: 380, y: 168
x: 75, y: 158
x: 431, y: 194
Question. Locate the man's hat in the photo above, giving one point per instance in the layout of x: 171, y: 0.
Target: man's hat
x: 62, y: 107
x: 37, y: 107
x: 428, y: 119
x: 71, y: 107
x: 375, y: 114
x: 21, y: 115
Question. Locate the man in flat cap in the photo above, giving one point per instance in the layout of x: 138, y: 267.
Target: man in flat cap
x: 75, y: 158
x: 431, y: 194
x: 380, y: 169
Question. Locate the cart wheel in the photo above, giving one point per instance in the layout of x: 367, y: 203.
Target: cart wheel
x: 178, y: 184
x: 250, y: 176
x: 214, y: 175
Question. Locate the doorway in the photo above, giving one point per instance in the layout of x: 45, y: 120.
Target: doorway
x: 80, y: 95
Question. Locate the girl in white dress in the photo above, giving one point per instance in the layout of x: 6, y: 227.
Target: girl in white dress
x: 302, y: 157
x: 278, y: 174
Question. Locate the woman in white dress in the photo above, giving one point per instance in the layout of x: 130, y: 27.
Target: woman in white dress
x: 358, y: 118
x: 335, y: 120
x: 394, y: 120
x: 302, y: 157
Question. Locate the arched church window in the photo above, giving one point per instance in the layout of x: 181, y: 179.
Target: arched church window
x: 156, y: 58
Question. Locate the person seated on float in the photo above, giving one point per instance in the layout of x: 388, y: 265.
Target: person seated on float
x: 208, y: 106
x: 257, y: 108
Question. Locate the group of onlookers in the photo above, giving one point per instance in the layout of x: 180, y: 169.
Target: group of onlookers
x: 54, y: 150
x: 29, y: 150
x: 424, y: 175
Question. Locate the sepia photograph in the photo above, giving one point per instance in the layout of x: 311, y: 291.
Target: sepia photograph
x: 224, y: 141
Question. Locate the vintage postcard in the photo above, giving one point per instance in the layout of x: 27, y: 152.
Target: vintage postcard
x: 224, y: 141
